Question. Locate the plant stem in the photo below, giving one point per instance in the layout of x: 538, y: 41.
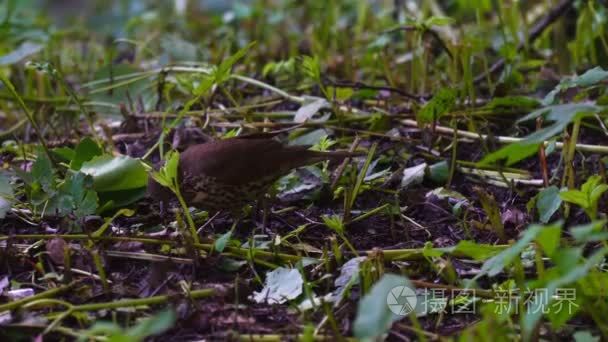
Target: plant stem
x: 41, y: 295
x: 29, y: 115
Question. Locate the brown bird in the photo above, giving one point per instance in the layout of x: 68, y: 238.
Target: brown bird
x: 227, y: 174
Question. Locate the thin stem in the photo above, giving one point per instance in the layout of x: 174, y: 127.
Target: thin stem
x: 29, y: 115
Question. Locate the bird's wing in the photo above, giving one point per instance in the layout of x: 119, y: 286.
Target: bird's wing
x: 238, y: 161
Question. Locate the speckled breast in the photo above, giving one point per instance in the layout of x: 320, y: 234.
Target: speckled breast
x: 209, y: 193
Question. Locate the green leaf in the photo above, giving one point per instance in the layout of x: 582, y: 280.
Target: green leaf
x: 575, y: 196
x: 340, y: 93
x: 534, y: 311
x: 590, y: 184
x: 374, y: 316
x: 223, y: 71
x: 75, y: 196
x: 443, y: 101
x: 438, y: 21
x: 312, y: 68
x: 591, y: 77
x: 115, y: 173
x: 511, y: 153
x: 559, y: 115
x: 85, y: 151
x: 119, y: 199
x: 170, y: 169
x: 439, y: 172
x: 585, y: 336
x: 157, y: 324
x: 334, y: 222
x: 497, y: 264
x: 513, y: 102
x: 6, y: 195
x: 476, y: 251
x: 66, y: 154
x: 548, y: 202
x: 589, y: 232
x: 221, y: 242
x: 87, y: 205
x: 548, y: 238
x: 206, y: 83
x: 42, y: 171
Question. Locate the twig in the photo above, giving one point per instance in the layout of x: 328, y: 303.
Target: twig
x: 360, y: 85
x: 506, y: 140
x: 41, y: 295
x: 535, y: 32
x: 30, y: 117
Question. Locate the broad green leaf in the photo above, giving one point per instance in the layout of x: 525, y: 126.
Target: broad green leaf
x: 281, y: 285
x: 511, y: 153
x: 548, y: 202
x: 66, y: 154
x: 597, y: 192
x: 575, y: 196
x: 42, y: 171
x: 374, y: 314
x: 85, y: 151
x: 115, y: 173
x: 590, y: 184
x: 548, y: 238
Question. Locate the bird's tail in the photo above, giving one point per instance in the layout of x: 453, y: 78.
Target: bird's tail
x: 334, y: 156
